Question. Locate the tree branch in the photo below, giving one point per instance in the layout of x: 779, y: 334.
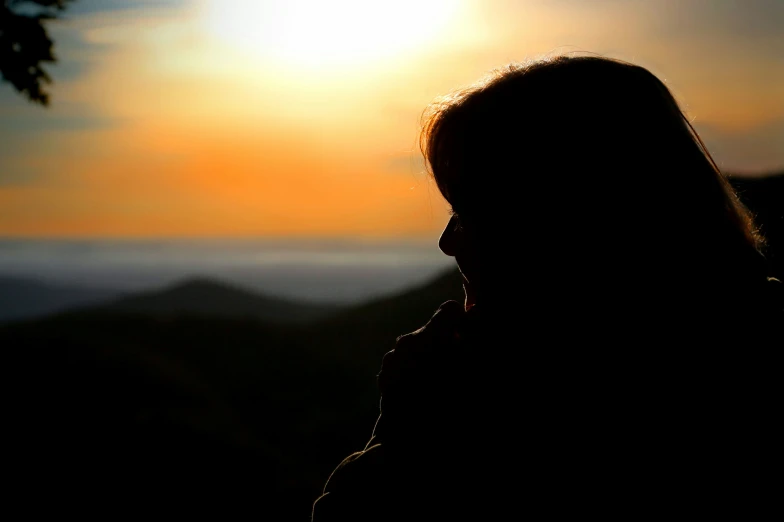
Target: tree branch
x: 25, y: 45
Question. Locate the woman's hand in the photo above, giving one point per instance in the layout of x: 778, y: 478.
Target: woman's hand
x: 424, y: 349
x: 421, y: 380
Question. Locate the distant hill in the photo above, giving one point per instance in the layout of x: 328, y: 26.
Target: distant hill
x: 209, y: 298
x: 232, y: 412
x: 27, y: 299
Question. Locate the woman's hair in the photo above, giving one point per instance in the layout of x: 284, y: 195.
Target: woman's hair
x: 586, y: 149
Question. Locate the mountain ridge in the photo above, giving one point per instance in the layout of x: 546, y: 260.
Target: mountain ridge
x: 24, y: 298
x: 212, y: 297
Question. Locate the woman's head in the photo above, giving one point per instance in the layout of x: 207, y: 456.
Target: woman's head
x: 579, y: 166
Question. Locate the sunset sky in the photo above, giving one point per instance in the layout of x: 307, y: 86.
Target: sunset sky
x: 240, y: 118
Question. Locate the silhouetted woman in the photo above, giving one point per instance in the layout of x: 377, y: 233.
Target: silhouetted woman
x: 617, y: 354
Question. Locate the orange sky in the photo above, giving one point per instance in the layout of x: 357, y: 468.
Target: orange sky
x: 252, y: 118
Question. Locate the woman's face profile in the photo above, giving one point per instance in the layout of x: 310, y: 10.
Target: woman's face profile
x: 457, y: 242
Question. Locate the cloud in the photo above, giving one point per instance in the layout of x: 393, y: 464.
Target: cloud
x: 747, y: 19
x: 88, y: 7
x: 29, y: 133
x: 77, y: 56
x: 730, y: 18
x: 13, y: 174
x: 37, y: 123
x: 74, y: 52
x: 20, y: 118
x: 753, y: 25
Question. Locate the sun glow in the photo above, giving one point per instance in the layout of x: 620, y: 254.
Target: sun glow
x: 320, y: 34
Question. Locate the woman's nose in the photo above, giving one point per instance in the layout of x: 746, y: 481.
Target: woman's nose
x: 448, y: 240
